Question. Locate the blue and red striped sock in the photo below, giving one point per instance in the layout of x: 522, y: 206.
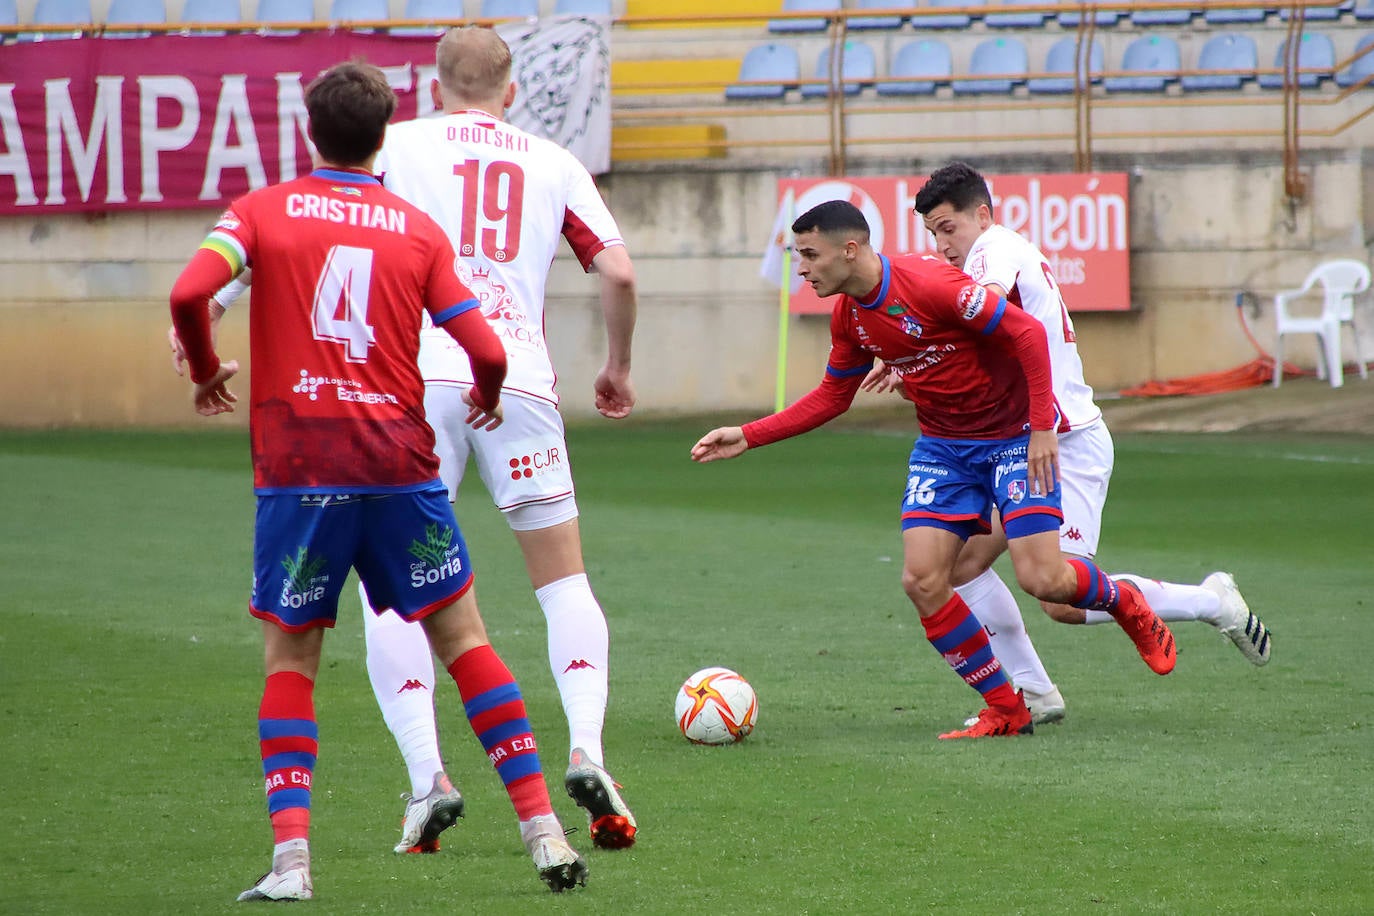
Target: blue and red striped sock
x: 958, y: 636
x: 494, y: 707
x: 1095, y: 590
x: 288, y: 739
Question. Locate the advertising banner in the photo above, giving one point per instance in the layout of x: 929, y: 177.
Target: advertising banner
x: 183, y: 121
x: 1079, y: 221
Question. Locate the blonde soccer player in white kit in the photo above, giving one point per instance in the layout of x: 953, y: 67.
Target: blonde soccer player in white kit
x: 507, y: 200
x: 957, y: 210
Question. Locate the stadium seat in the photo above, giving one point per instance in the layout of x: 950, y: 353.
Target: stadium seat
x: 995, y: 57
x: 1364, y: 9
x: 1062, y: 58
x: 1231, y: 58
x: 285, y: 11
x: 859, y: 70
x: 1025, y: 20
x: 133, y: 12
x: 509, y: 9
x: 926, y: 58
x: 206, y: 11
x: 1100, y: 18
x: 1225, y: 16
x: 583, y: 8
x: 1152, y: 17
x: 358, y: 11
x: 429, y: 11
x: 804, y: 25
x: 946, y: 20
x: 859, y: 23
x: 76, y: 13
x: 767, y: 72
x: 1315, y: 53
x: 1323, y: 13
x: 1360, y: 67
x: 1341, y: 281
x: 1156, y: 60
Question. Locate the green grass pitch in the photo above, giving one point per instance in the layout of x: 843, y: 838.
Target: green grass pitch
x: 130, y: 675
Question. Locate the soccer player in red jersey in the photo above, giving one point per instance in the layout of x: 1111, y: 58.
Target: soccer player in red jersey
x: 344, y: 465
x: 978, y: 372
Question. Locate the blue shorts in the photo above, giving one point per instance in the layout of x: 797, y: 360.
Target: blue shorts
x: 406, y: 548
x: 955, y: 483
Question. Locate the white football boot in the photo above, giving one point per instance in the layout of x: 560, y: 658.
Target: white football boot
x: 1243, y: 628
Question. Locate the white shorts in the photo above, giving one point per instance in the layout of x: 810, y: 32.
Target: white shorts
x: 523, y: 462
x: 1085, y: 468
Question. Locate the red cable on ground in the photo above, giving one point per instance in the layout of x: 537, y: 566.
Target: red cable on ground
x: 1259, y: 371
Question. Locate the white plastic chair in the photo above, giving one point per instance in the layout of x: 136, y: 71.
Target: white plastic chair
x: 1341, y: 281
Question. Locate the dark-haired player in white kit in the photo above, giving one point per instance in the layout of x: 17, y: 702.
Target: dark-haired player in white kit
x: 957, y: 208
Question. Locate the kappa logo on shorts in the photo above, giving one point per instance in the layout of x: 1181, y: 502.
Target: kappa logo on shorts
x: 1073, y: 534
x: 303, y: 583
x: 439, y: 557
x: 535, y: 463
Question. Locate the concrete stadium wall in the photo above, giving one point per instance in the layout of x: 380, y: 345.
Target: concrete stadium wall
x: 83, y: 311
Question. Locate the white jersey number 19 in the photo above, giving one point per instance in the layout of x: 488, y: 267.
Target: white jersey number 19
x: 499, y: 190
x: 340, y: 308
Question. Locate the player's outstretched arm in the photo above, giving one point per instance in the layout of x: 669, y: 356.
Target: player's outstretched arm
x: 615, y: 394
x: 718, y: 444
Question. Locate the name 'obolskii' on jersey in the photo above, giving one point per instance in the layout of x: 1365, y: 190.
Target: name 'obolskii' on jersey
x: 488, y: 133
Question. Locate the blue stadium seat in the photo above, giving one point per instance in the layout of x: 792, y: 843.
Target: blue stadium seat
x: 583, y: 8
x: 767, y: 72
x: 858, y: 23
x: 1237, y: 14
x: 1100, y: 18
x: 1318, y: 13
x: 859, y: 65
x: 1233, y: 58
x: 1023, y: 20
x: 429, y: 11
x: 1149, y: 17
x: 1315, y: 52
x: 76, y: 13
x: 358, y: 10
x: 1062, y: 58
x: 927, y: 58
x: 1360, y: 67
x: 285, y: 11
x: 196, y: 11
x: 995, y: 57
x: 509, y: 9
x: 132, y: 12
x: 804, y: 25
x: 1364, y: 9
x: 946, y: 20
x: 1157, y: 56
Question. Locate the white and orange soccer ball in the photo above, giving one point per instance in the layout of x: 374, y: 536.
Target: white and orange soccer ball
x: 716, y: 706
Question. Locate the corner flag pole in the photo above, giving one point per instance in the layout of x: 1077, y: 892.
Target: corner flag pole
x: 784, y: 301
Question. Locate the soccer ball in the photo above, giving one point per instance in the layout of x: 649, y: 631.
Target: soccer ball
x: 716, y: 706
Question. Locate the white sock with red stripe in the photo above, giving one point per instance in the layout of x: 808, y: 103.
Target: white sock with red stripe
x: 1169, y: 600
x: 401, y: 668
x: 579, y: 655
x: 993, y: 604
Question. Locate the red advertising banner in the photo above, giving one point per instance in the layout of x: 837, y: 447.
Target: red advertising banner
x: 1078, y: 220
x: 180, y: 121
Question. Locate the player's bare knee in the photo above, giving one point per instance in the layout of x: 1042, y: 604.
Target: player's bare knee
x: 923, y: 586
x: 1040, y: 582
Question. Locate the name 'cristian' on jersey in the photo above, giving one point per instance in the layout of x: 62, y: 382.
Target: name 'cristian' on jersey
x: 352, y: 212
